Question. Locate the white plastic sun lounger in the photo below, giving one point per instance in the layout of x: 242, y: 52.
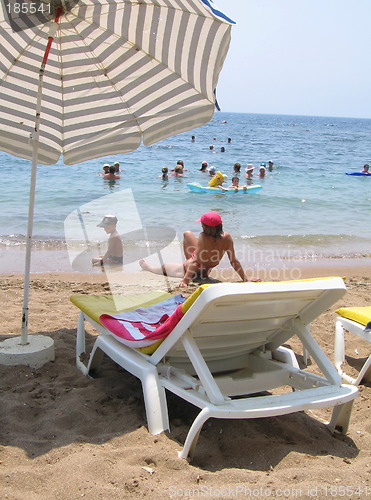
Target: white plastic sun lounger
x: 226, y: 348
x: 354, y: 320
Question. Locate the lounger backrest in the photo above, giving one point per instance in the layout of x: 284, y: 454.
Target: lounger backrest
x: 230, y: 320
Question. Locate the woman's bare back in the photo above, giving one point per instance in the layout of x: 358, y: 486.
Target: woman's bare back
x: 210, y: 251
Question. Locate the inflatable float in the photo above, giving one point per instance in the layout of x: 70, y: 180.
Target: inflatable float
x: 197, y: 188
x: 359, y: 173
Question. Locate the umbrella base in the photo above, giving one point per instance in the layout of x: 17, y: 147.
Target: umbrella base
x: 38, y: 351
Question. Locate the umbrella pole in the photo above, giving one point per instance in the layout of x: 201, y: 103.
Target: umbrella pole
x: 31, y: 210
x: 31, y: 205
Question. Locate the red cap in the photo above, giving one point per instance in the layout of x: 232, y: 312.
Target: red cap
x: 211, y: 219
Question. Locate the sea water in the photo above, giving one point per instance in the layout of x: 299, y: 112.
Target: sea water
x: 307, y: 208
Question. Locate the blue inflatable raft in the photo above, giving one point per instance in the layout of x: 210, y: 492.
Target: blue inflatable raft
x: 197, y: 188
x: 358, y: 173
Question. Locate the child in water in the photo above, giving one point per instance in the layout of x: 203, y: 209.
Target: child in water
x: 114, y: 254
x: 262, y: 171
x: 105, y: 169
x: 235, y: 184
x: 217, y: 181
x: 165, y: 174
x: 178, y: 171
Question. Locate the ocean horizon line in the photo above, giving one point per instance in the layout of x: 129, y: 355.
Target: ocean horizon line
x: 300, y: 115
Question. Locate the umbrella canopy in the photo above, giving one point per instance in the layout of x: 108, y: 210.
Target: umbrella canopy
x: 118, y: 72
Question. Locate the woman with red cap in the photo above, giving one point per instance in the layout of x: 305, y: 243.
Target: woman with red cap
x: 201, y: 254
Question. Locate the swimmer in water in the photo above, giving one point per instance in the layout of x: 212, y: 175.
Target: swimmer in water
x: 235, y: 184
x: 105, y: 169
x: 111, y: 174
x: 262, y: 171
x: 165, y: 174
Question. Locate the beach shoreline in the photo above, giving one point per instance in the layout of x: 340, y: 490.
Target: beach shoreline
x: 66, y: 436
x: 266, y: 263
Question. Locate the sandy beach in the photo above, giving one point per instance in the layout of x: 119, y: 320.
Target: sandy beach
x: 64, y: 436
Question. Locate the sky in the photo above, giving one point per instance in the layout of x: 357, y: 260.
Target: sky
x: 298, y: 57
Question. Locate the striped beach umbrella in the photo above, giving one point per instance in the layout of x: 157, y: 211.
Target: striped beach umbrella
x: 117, y: 73
x: 89, y: 78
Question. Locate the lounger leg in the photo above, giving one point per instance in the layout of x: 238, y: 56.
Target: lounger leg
x: 154, y: 393
x: 339, y: 347
x: 339, y: 352
x: 306, y: 357
x: 367, y: 366
x: 80, y: 343
x: 339, y: 358
x: 285, y: 355
x: 365, y: 373
x: 341, y: 417
x: 192, y: 436
x: 95, y: 360
x: 155, y: 403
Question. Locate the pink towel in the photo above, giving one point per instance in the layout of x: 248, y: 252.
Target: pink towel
x: 145, y: 326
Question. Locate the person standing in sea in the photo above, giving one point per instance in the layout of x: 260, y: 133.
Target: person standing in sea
x: 111, y: 176
x: 237, y: 168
